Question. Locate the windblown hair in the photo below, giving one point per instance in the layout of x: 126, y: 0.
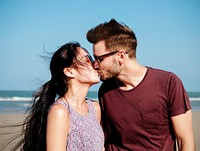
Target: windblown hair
x: 116, y: 35
x: 34, y: 126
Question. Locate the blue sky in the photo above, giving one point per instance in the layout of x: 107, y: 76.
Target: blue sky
x: 168, y: 34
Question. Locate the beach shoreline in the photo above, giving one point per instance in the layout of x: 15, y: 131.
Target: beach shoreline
x: 9, y: 119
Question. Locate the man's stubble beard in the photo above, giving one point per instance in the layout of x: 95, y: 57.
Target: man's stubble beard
x: 110, y: 73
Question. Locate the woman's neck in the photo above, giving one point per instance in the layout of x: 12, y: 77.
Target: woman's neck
x: 76, y: 97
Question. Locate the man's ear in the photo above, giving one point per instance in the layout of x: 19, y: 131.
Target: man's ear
x: 121, y: 55
x: 69, y: 72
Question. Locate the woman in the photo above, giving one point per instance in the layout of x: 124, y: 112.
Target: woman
x: 61, y: 118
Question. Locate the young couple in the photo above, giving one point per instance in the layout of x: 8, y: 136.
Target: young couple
x: 140, y: 108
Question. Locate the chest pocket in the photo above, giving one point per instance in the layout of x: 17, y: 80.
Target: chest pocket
x: 152, y: 118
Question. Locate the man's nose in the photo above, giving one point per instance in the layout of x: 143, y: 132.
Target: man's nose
x: 95, y: 65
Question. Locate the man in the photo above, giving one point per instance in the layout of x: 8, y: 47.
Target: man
x: 142, y: 108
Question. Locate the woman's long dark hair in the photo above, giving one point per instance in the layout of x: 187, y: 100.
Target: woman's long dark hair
x: 34, y: 126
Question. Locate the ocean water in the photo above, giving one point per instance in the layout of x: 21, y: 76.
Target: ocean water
x: 19, y: 101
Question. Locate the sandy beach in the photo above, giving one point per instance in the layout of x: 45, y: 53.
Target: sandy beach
x: 196, y: 127
x: 6, y: 119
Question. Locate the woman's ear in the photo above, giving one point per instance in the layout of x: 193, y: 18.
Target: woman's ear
x: 69, y: 72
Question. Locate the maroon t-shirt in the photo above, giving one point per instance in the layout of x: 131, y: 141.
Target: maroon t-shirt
x: 139, y: 119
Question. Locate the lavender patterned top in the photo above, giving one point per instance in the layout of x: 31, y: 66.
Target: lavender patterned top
x: 85, y: 131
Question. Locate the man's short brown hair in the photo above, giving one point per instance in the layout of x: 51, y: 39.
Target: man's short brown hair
x: 116, y: 36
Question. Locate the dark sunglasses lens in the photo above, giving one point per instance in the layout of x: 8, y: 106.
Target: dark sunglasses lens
x: 96, y: 58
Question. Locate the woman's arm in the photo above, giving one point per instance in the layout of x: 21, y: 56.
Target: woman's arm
x: 57, y: 128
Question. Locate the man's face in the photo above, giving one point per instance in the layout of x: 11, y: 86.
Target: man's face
x: 105, y: 61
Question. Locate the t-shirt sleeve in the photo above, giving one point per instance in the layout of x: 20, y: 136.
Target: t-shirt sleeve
x: 179, y: 102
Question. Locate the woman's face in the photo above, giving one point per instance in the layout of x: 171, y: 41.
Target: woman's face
x: 85, y: 71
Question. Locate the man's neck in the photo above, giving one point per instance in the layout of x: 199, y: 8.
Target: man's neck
x: 131, y: 76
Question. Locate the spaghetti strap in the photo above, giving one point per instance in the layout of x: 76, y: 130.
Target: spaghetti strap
x: 65, y: 104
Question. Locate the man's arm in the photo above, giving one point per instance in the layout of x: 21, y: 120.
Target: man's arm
x: 183, y: 129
